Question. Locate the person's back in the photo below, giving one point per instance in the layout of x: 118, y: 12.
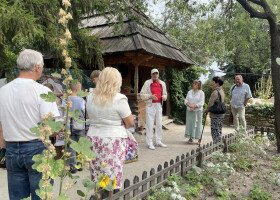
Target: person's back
x: 20, y: 108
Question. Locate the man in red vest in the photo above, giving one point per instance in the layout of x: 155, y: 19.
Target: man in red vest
x: 154, y: 93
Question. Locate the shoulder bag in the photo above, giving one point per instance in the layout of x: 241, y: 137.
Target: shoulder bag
x: 218, y: 107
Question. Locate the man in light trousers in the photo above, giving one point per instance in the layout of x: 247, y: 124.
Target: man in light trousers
x: 240, y: 94
x: 154, y: 93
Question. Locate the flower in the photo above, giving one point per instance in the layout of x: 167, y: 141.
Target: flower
x: 62, y: 12
x: 115, y: 183
x: 67, y: 34
x: 63, y: 42
x: 69, y: 16
x: 104, y: 181
x: 66, y: 3
x: 79, y: 157
x: 68, y: 62
x: 62, y: 20
x: 64, y: 53
x: 103, y: 164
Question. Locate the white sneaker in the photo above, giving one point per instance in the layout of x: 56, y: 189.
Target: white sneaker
x: 151, y: 147
x: 160, y: 144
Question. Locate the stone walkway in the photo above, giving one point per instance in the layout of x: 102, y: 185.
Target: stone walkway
x: 176, y: 146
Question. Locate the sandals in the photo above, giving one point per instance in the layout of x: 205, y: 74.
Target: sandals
x: 190, y: 141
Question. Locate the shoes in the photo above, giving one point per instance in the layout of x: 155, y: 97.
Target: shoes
x: 151, y: 147
x: 190, y: 141
x: 160, y: 144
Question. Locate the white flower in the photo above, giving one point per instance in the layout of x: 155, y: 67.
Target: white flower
x: 173, y: 196
x: 211, y: 165
x: 66, y: 3
x: 62, y: 12
x: 68, y: 34
x: 69, y: 16
x: 168, y: 189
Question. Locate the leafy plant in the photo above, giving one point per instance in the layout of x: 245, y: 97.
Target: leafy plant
x: 259, y: 194
x: 128, y: 87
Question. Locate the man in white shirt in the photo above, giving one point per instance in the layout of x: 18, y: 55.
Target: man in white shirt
x: 21, y: 108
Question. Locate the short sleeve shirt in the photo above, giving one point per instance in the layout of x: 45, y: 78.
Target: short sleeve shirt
x: 21, y: 108
x: 239, y: 94
x: 105, y: 121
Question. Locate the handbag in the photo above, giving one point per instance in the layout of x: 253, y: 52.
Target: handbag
x: 131, y: 150
x: 3, y: 158
x: 218, y: 107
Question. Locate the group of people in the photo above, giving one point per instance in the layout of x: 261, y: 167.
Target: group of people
x: 240, y: 94
x: 21, y: 108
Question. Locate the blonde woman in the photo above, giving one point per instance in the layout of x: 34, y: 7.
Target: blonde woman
x: 106, y: 109
x: 194, y: 102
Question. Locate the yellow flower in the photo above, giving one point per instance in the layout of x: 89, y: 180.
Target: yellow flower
x: 115, y: 183
x: 69, y: 92
x: 66, y: 3
x: 64, y: 96
x: 79, y: 157
x: 70, y: 78
x: 68, y: 132
x: 62, y: 12
x: 67, y: 34
x: 104, y: 181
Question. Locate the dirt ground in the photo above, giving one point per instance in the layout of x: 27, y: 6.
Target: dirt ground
x: 176, y: 146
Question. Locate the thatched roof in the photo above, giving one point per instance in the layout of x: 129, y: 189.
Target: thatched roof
x: 135, y: 37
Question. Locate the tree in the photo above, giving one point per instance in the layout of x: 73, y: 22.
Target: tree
x: 34, y: 24
x: 226, y: 47
x: 264, y: 11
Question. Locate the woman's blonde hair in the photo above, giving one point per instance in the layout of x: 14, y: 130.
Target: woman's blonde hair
x: 198, y: 82
x: 109, y: 83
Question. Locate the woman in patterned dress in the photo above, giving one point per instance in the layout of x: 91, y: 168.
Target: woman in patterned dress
x: 106, y: 109
x: 216, y: 119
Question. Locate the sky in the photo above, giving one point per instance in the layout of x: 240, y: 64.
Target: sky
x: 155, y: 11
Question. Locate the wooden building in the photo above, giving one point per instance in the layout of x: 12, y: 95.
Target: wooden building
x: 134, y: 50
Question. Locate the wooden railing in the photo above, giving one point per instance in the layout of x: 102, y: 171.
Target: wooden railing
x: 155, y: 178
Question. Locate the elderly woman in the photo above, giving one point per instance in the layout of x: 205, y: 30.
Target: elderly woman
x: 194, y: 102
x: 106, y: 109
x: 217, y: 95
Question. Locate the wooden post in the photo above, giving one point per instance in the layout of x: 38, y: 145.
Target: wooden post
x: 168, y: 102
x: 136, y: 80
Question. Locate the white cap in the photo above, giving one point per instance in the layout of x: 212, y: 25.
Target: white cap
x: 154, y: 71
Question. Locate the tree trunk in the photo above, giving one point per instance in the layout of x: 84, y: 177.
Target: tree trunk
x: 275, y: 69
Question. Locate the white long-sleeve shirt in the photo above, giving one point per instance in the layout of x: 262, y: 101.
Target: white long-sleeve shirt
x: 195, y: 98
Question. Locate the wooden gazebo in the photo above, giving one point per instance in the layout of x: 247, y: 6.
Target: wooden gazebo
x: 135, y: 50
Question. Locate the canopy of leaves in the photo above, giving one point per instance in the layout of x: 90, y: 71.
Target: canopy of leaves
x: 34, y: 24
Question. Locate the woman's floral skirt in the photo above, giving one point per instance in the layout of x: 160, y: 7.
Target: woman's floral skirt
x: 109, y: 158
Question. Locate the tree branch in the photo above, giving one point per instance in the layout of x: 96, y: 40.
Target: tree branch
x: 253, y: 12
x: 256, y: 2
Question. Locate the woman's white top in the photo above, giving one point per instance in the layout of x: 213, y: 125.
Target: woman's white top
x: 195, y: 98
x: 105, y: 121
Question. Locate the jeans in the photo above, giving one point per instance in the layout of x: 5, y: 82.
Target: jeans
x: 75, y: 135
x: 22, y: 179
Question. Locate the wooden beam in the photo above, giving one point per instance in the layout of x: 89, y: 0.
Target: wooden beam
x: 136, y: 79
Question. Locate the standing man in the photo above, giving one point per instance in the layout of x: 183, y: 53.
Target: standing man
x: 94, y: 77
x: 21, y: 108
x: 240, y: 94
x: 154, y: 93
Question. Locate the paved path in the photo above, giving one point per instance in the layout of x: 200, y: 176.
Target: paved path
x: 176, y: 146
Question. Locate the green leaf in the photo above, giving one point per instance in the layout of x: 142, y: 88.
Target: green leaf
x: 75, y: 114
x: 278, y: 61
x: 55, y: 74
x: 50, y: 97
x: 83, y: 145
x: 80, y: 193
x: 55, y: 126
x: 82, y: 94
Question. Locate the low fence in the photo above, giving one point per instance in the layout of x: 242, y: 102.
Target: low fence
x: 142, y: 188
